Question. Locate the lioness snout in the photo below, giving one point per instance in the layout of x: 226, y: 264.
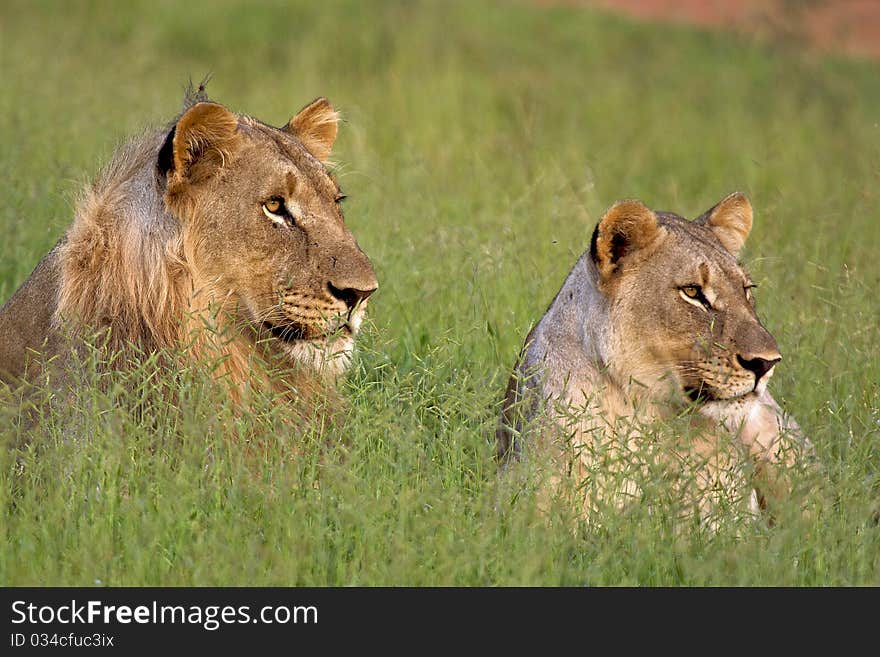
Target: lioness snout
x: 760, y: 366
x: 351, y: 296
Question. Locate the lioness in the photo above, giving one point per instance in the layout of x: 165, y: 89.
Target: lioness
x: 219, y: 236
x: 657, y: 316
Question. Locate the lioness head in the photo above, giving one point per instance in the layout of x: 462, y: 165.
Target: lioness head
x: 263, y: 230
x: 681, y: 306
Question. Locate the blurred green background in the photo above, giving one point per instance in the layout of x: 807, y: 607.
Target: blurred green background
x: 482, y: 142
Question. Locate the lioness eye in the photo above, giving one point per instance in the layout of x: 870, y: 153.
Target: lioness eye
x: 274, y: 205
x: 695, y: 293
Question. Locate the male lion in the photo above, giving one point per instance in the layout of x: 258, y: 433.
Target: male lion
x: 221, y: 237
x: 657, y: 317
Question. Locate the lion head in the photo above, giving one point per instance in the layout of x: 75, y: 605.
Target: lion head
x: 224, y: 235
x: 262, y: 225
x: 680, y: 304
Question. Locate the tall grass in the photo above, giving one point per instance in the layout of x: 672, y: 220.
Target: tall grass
x: 482, y: 142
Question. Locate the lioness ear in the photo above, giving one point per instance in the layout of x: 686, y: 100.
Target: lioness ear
x: 626, y: 227
x: 315, y: 126
x: 202, y: 141
x: 731, y: 221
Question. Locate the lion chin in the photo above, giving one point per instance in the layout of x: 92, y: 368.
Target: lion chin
x: 327, y: 351
x: 329, y: 357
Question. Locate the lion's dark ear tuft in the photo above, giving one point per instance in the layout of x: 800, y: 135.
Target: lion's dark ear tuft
x: 730, y: 220
x: 627, y: 227
x: 593, y: 248
x: 316, y: 126
x: 165, y: 161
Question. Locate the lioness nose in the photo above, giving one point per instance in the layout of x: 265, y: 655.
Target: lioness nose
x: 350, y: 295
x: 760, y: 366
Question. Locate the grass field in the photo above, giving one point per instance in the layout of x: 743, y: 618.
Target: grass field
x: 481, y: 145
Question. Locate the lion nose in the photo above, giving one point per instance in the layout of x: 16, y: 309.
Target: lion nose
x: 760, y: 366
x: 351, y: 296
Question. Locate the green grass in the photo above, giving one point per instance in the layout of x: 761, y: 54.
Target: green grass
x: 482, y: 143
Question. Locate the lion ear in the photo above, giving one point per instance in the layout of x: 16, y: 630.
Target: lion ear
x: 627, y: 227
x: 315, y: 126
x: 730, y: 220
x: 201, y: 142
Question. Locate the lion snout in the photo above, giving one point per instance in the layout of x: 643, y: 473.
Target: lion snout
x: 352, y: 296
x: 761, y: 366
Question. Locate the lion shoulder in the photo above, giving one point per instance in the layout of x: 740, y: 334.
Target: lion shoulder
x: 26, y: 321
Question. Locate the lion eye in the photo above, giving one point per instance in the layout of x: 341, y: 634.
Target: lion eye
x: 277, y: 211
x: 274, y: 206
x: 694, y: 294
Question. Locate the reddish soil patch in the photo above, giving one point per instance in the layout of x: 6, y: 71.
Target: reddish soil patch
x: 847, y: 26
